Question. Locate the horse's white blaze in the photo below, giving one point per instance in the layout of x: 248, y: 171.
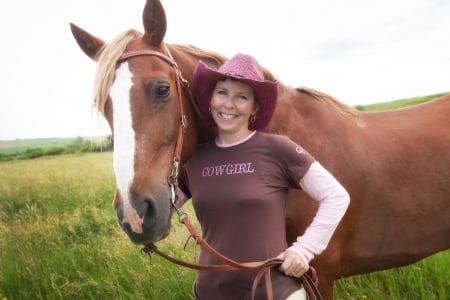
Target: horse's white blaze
x: 124, y: 144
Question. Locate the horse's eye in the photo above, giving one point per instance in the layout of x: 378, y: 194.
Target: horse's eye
x: 162, y: 90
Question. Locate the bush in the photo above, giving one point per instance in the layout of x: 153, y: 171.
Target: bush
x: 32, y: 153
x: 70, y: 149
x: 54, y: 151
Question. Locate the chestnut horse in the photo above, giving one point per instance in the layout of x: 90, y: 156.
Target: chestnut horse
x: 395, y: 164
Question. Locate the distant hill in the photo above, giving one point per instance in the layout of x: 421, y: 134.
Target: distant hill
x: 22, y: 145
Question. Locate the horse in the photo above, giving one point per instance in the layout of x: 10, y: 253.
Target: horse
x: 394, y: 164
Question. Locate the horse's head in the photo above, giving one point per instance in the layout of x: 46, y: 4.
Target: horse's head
x: 139, y: 90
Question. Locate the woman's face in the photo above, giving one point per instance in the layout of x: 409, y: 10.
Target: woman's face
x: 232, y: 103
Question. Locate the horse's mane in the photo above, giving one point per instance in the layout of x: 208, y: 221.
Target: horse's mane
x: 107, y: 66
x: 111, y: 52
x: 202, y: 54
x: 329, y: 101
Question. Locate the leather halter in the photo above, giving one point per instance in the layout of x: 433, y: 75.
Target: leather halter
x: 181, y: 82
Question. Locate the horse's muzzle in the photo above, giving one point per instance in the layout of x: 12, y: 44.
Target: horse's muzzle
x: 144, y: 220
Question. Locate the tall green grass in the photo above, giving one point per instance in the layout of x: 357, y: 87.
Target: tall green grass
x: 59, y: 239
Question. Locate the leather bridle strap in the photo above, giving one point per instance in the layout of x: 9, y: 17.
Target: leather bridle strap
x: 229, y: 263
x: 263, y: 267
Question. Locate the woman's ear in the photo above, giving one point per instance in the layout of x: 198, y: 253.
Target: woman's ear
x: 256, y: 108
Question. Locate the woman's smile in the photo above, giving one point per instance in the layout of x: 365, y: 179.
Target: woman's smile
x: 226, y: 116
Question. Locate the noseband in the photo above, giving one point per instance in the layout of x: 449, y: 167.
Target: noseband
x: 181, y: 83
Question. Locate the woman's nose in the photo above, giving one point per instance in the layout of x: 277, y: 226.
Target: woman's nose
x: 228, y: 103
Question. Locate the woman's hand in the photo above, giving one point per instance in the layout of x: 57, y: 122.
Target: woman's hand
x: 293, y: 264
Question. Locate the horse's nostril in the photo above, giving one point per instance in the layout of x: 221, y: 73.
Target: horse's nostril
x: 143, y: 206
x: 151, y: 210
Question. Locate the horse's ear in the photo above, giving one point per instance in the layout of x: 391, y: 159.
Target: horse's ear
x: 155, y: 24
x: 90, y: 44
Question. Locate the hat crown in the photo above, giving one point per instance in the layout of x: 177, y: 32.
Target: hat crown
x: 242, y: 66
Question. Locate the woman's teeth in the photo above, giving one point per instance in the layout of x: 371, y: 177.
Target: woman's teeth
x: 227, y: 116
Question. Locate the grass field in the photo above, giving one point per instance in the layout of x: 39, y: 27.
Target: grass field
x: 59, y: 240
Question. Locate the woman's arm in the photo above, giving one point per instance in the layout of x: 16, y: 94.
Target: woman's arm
x: 333, y: 202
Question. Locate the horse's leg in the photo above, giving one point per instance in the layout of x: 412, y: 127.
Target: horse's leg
x: 326, y: 287
x: 327, y: 268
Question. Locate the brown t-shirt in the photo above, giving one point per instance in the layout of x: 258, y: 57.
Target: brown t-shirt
x: 239, y: 194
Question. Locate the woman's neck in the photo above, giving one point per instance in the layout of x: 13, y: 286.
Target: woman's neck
x: 228, y: 141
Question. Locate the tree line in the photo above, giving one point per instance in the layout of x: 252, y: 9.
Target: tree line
x: 79, y: 145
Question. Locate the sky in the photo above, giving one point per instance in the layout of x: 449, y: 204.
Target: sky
x: 358, y: 51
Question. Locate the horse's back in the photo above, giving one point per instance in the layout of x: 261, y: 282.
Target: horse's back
x: 396, y: 166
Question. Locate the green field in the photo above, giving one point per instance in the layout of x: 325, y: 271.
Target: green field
x: 59, y: 240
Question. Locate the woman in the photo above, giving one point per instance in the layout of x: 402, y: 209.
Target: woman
x: 239, y: 181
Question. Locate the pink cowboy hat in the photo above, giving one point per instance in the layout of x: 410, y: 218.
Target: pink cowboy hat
x: 245, y: 69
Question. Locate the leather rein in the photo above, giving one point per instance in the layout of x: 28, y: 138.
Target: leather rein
x: 309, y: 279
